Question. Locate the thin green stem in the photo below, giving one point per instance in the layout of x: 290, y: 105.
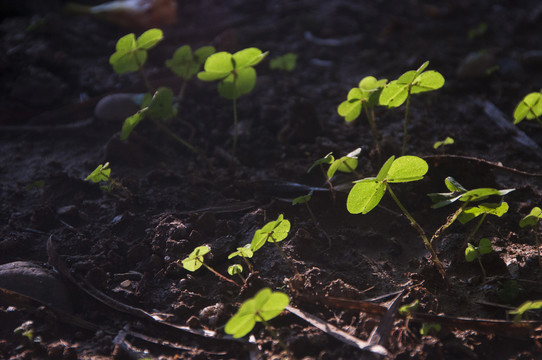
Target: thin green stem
x: 180, y: 96
x: 471, y: 236
x: 418, y: 228
x: 168, y: 131
x: 145, y: 79
x: 448, y: 223
x: 407, y: 107
x: 372, y: 124
x: 482, y: 268
x: 219, y: 274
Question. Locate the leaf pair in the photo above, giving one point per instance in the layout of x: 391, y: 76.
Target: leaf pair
x: 472, y: 252
x: 273, y: 231
x: 497, y: 209
x: 263, y: 307
x: 235, y: 71
x: 101, y: 173
x: 186, y: 63
x: 367, y: 193
x: 529, y: 108
x: 131, y: 54
x: 532, y: 219
x: 366, y: 94
x: 196, y: 258
x: 411, y: 82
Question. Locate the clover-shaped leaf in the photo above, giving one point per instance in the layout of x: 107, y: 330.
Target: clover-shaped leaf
x: 273, y: 231
x: 161, y: 104
x: 263, y: 307
x: 186, y: 63
x: 131, y: 54
x: 529, y: 108
x: 532, y: 219
x: 328, y: 159
x: 411, y: 82
x: 366, y: 194
x: 497, y: 209
x: 235, y: 269
x: 366, y: 94
x: 235, y: 72
x: 195, y: 260
x: 244, y: 251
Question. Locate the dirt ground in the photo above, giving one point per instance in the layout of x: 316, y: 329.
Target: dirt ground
x: 90, y: 274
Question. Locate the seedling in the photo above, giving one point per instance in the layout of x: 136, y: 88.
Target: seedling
x: 412, y: 82
x: 196, y: 260
x: 273, y: 232
x: 102, y: 174
x: 532, y: 220
x: 523, y: 308
x: 496, y: 209
x: 263, y: 307
x: 286, y: 62
x: 407, y: 311
x: 236, y: 76
x: 429, y: 328
x: 328, y: 159
x: 529, y: 108
x: 475, y: 252
x: 346, y: 164
x: 246, y: 253
x: 186, y: 64
x: 236, y: 269
x: 366, y: 194
x: 364, y: 97
x: 447, y: 141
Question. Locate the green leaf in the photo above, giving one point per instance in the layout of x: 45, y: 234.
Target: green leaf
x: 383, y: 173
x: 529, y: 108
x: 130, y: 123
x: 471, y: 253
x: 217, y: 66
x: 101, y: 173
x: 235, y: 269
x: 285, y: 62
x: 406, y: 169
x: 273, y: 231
x: 408, y: 309
x: 485, y: 246
x: 183, y: 63
x: 454, y: 185
x: 447, y: 141
x: 328, y: 159
x: 195, y: 260
x: 428, y: 81
x: 149, y: 39
x: 426, y: 329
x: 345, y: 164
x: 483, y: 193
x: 248, y: 57
x: 350, y: 109
x: 532, y: 219
x: 232, y: 87
x: 266, y: 305
x: 497, y: 209
x: 161, y: 105
x: 526, y: 306
x: 242, y: 251
x: 303, y: 199
x: 365, y: 195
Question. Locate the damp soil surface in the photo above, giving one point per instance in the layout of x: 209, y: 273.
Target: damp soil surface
x: 87, y: 273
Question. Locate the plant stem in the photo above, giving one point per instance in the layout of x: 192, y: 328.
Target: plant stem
x: 235, y: 130
x: 482, y: 268
x: 168, y: 131
x: 180, y: 96
x: 451, y: 219
x: 145, y: 79
x: 407, y: 107
x: 219, y: 274
x: 475, y: 230
x: 415, y: 225
x: 372, y: 124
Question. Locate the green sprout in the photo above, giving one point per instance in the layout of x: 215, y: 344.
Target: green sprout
x: 245, y: 252
x: 196, y: 259
x: 346, y: 164
x: 286, y: 62
x: 263, y: 307
x: 532, y: 220
x: 496, y: 209
x: 328, y: 159
x: 273, y: 232
x: 526, y: 306
x: 529, y: 108
x: 447, y: 141
x: 102, y: 174
x: 236, y: 269
x: 407, y: 311
x: 412, y: 82
x: 475, y: 252
x: 428, y: 329
x: 131, y: 53
x: 186, y: 64
x: 364, y: 97
x: 366, y: 194
x: 236, y: 75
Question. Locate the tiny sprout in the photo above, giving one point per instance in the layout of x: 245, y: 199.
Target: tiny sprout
x: 245, y: 252
x: 236, y: 269
x: 236, y: 75
x: 196, y: 259
x: 412, y: 82
x: 347, y: 164
x: 102, y: 174
x: 529, y: 108
x: 475, y: 252
x: 328, y: 159
x: 526, y: 306
x: 532, y: 220
x: 263, y: 307
x: 363, y: 97
x: 428, y: 329
x: 408, y: 309
x: 286, y: 62
x: 447, y: 141
x: 186, y: 63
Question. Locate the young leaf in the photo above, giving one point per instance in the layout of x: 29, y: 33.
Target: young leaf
x: 485, y: 246
x: 485, y: 208
x: 526, y: 306
x: 447, y: 141
x: 242, y: 251
x: 285, y: 62
x: 532, y: 219
x: 131, y: 54
x: 471, y: 253
x: 235, y: 269
x: 273, y: 231
x: 408, y: 309
x: 383, y: 173
x: 195, y: 260
x: 345, y: 164
x: 101, y: 173
x: 328, y: 159
x: 303, y: 199
x: 130, y: 123
x: 406, y: 169
x: 365, y: 195
x: 264, y: 306
x: 366, y: 94
x: 529, y: 108
x: 186, y: 63
x: 483, y: 193
x: 161, y: 105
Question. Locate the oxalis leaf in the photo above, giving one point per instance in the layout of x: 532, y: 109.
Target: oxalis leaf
x: 273, y: 231
x: 532, y: 219
x: 345, y: 164
x: 131, y: 54
x: 265, y: 306
x: 529, y: 108
x: 195, y: 260
x: 497, y: 209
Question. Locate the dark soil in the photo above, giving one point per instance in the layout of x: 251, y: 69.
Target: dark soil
x: 126, y: 244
